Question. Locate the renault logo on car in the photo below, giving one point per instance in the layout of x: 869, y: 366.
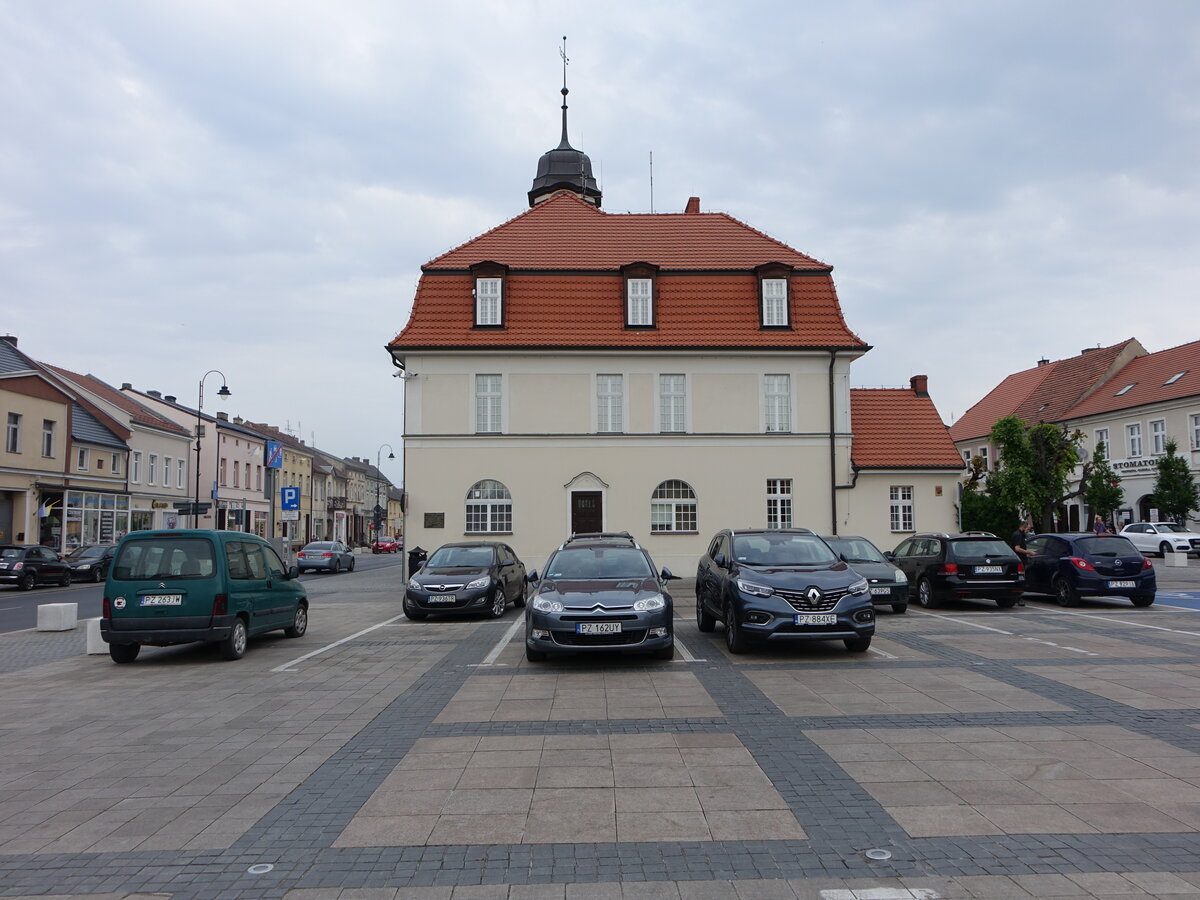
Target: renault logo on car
x: 813, y: 594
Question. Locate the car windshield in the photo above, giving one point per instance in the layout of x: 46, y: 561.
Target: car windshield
x: 856, y: 550
x: 12, y: 553
x: 163, y: 559
x: 782, y: 550
x: 1109, y: 545
x: 588, y: 563
x: 461, y: 557
x: 1170, y: 527
x: 977, y: 549
x: 85, y: 553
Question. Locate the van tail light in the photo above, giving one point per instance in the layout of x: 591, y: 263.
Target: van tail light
x: 948, y: 569
x: 1020, y: 568
x: 106, y: 612
x: 220, y: 605
x: 1146, y: 564
x: 1080, y: 563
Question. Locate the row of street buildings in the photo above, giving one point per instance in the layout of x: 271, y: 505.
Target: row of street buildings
x: 83, y: 462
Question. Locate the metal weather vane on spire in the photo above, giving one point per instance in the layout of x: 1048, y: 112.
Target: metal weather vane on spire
x: 564, y: 144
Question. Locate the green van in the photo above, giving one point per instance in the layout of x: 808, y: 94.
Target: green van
x: 180, y: 586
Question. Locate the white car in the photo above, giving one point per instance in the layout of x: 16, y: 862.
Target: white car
x: 1162, y: 537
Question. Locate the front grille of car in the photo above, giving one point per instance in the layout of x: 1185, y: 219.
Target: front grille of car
x: 625, y: 638
x: 567, y: 618
x: 1195, y: 543
x: 801, y: 603
x: 812, y: 629
x: 443, y: 588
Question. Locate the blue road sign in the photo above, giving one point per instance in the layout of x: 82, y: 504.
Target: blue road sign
x: 274, y: 455
x: 289, y: 498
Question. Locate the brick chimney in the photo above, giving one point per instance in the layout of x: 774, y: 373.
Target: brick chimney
x: 170, y: 398
x: 693, y: 205
x: 223, y: 416
x: 9, y: 338
x: 920, y: 385
x: 157, y: 394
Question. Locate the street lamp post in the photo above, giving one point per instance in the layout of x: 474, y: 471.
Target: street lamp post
x: 378, y: 482
x: 223, y: 392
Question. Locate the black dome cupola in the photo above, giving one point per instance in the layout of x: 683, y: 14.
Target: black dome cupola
x: 564, y: 167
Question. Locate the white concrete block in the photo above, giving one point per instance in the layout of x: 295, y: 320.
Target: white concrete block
x: 96, y: 645
x: 1176, y: 559
x: 57, y: 616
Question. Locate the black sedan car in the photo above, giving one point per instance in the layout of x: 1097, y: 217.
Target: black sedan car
x: 781, y: 585
x: 1071, y: 566
x: 467, y: 577
x: 889, y: 585
x: 27, y: 567
x: 600, y: 592
x: 90, y: 562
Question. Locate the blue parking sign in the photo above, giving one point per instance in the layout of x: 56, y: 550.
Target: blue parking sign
x: 289, y: 498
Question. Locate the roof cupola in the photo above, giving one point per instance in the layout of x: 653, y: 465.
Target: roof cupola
x: 564, y: 168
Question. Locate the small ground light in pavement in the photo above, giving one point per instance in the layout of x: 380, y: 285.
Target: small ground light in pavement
x: 878, y: 854
x: 260, y: 869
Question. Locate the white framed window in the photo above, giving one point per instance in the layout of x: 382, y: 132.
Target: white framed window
x: 487, y: 404
x: 48, y: 447
x: 639, y: 301
x: 237, y: 473
x: 489, y: 508
x: 777, y: 403
x: 222, y: 477
x: 610, y: 404
x: 246, y: 474
x: 966, y: 455
x: 1195, y: 431
x: 779, y: 503
x: 673, y: 507
x: 1158, y: 437
x: 672, y: 403
x: 167, y: 470
x: 152, y: 469
x: 135, y: 466
x: 901, y: 508
x: 1101, y: 436
x: 987, y: 463
x: 774, y: 302
x: 181, y: 472
x: 488, y: 301
x: 258, y: 470
x: 1133, y: 439
x: 12, y: 437
x: 116, y: 464
x: 81, y: 459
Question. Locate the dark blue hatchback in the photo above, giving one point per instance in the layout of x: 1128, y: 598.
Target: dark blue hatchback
x: 1071, y: 566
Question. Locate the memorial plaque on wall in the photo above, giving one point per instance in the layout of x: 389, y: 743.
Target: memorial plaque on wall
x: 435, y: 520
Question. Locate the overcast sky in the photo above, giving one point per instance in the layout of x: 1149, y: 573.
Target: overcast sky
x: 253, y: 186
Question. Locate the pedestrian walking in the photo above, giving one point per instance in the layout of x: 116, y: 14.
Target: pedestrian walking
x: 1098, y: 525
x: 1018, y: 539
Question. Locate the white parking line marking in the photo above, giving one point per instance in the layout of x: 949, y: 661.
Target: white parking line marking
x: 961, y: 621
x: 882, y: 653
x: 501, y: 644
x: 1009, y: 633
x: 1063, y: 612
x: 287, y: 666
x: 687, y: 654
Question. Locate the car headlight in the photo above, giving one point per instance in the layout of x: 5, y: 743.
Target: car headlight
x: 542, y: 604
x: 901, y: 578
x: 415, y: 585
x: 649, y: 604
x: 758, y: 590
x: 480, y: 583
x: 84, y: 567
x: 859, y: 587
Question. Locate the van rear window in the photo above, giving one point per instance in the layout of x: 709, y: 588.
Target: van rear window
x: 163, y: 559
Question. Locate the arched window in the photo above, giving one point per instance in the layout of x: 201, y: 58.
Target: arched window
x: 489, y: 508
x: 673, y: 507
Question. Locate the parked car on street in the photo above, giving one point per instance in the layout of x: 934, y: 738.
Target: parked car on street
x: 1071, y: 566
x: 889, y: 586
x: 187, y: 585
x: 29, y: 566
x: 325, y: 556
x: 466, y: 577
x: 943, y: 566
x: 781, y: 585
x: 1161, y: 538
x: 385, y: 545
x: 600, y: 592
x: 90, y: 562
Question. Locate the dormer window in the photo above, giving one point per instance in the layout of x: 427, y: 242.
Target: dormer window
x: 639, y: 295
x: 489, y: 294
x: 773, y: 297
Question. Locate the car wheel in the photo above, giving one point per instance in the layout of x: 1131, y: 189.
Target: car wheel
x: 925, y: 594
x: 1163, y: 549
x: 299, y: 623
x: 65, y: 581
x: 667, y: 652
x: 234, y: 646
x: 1006, y: 602
x: 27, y: 581
x: 519, y: 600
x: 350, y: 568
x: 96, y: 576
x: 415, y: 614
x: 337, y: 566
x: 705, y: 621
x: 123, y: 653
x: 534, y: 655
x: 735, y: 638
x: 498, y: 604
x: 1142, y: 599
x: 899, y: 608
x: 1065, y: 593
x: 858, y: 645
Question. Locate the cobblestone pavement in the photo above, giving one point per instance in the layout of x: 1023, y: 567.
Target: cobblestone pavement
x: 1034, y: 752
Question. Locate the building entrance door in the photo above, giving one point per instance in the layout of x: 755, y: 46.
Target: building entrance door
x: 587, y: 512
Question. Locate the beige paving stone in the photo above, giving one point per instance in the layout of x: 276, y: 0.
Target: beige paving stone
x: 1155, y: 791
x: 743, y: 797
x: 512, y: 742
x: 1121, y: 818
x: 866, y: 772
x: 677, y: 825
x: 753, y: 825
x: 1044, y: 818
x: 564, y: 825
x: 478, y: 829
x: 1048, y: 885
x: 1103, y: 883
x: 651, y: 776
x: 488, y: 801
x: 401, y: 779
x: 723, y: 776
x: 941, y: 821
x: 386, y: 831
x: 574, y: 777
x: 406, y: 802
x: 663, y: 799
x: 876, y: 752
x: 912, y: 793
x: 1161, y: 883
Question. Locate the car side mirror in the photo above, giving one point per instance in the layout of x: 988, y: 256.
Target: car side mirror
x: 293, y: 572
x: 508, y: 563
x: 666, y: 575
x: 720, y: 561
x: 889, y: 556
x: 532, y: 576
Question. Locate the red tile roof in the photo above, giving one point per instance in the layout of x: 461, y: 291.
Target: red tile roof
x: 897, y: 428
x: 564, y: 288
x: 1148, y: 374
x: 137, y: 412
x: 1044, y: 393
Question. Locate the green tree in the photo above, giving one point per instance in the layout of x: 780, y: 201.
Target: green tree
x: 1175, y: 493
x: 979, y: 509
x: 1103, y: 492
x: 1034, y: 467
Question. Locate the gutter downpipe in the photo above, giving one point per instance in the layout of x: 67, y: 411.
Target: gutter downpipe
x: 833, y: 485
